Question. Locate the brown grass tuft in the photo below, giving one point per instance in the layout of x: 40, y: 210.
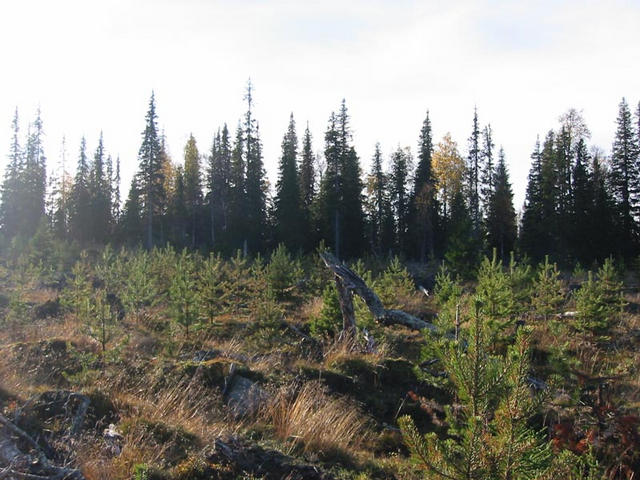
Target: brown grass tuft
x: 310, y: 419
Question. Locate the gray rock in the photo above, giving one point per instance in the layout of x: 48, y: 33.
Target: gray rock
x: 244, y: 396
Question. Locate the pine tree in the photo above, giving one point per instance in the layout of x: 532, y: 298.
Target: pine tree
x: 423, y: 208
x: 288, y: 211
x: 489, y: 434
x: 501, y: 216
x: 151, y: 176
x: 625, y: 177
x: 192, y: 189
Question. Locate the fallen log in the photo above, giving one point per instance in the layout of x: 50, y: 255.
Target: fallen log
x: 349, y: 282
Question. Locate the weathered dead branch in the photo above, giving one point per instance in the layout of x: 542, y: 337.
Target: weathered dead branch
x: 348, y: 282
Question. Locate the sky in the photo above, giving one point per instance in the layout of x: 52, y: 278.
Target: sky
x: 90, y: 66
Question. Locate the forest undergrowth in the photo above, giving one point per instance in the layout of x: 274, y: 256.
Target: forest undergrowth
x: 197, y: 366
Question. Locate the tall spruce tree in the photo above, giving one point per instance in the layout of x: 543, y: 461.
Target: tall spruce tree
x: 488, y: 168
x: 423, y: 208
x: 501, y: 216
x: 288, y: 211
x: 307, y: 189
x: 34, y: 180
x: 131, y: 225
x: 378, y: 207
x: 582, y: 207
x: 255, y: 181
x: 398, y: 191
x: 151, y: 175
x: 100, y: 195
x: 474, y: 169
x: 192, y: 190
x: 237, y: 217
x: 80, y: 210
x: 218, y: 183
x: 625, y: 177
x: 339, y: 203
x: 11, y: 186
x: 116, y: 202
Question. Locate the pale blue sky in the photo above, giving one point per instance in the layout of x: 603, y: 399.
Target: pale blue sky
x: 91, y: 66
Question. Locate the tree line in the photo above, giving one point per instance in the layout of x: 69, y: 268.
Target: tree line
x: 579, y: 206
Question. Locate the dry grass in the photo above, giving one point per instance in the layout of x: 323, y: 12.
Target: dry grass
x: 310, y: 419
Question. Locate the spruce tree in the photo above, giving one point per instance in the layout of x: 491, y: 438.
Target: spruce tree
x: 625, y: 177
x: 131, y: 222
x: 218, y: 183
x: 33, y: 183
x: 100, y: 195
x: 288, y: 211
x: 604, y: 230
x: 80, y: 214
x: 582, y: 207
x: 474, y: 166
x: 423, y: 208
x: 61, y: 192
x: 237, y: 215
x: 339, y: 206
x: 488, y: 168
x: 116, y: 202
x: 378, y: 207
x: 151, y: 175
x: 192, y: 190
x: 501, y: 216
x: 307, y: 189
x: 398, y: 191
x: 255, y: 183
x: 11, y: 186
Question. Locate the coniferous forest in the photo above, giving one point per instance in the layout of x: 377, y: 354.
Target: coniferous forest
x: 404, y: 322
